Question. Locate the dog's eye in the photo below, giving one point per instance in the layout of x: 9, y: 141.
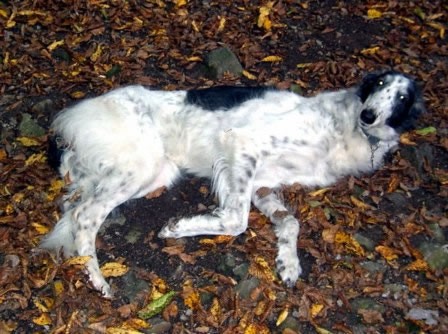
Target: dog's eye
x: 380, y: 82
x: 403, y: 98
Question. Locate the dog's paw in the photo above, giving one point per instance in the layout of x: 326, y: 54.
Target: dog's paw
x: 288, y: 267
x: 100, y: 284
x: 169, y: 230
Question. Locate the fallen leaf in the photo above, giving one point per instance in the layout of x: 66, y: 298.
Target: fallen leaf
x: 417, y: 265
x: 43, y: 320
x: 249, y: 75
x: 388, y: 253
x: 156, y: 306
x: 77, y: 260
x: 261, y: 269
x: 316, y: 309
x: 282, y: 316
x: 374, y: 14
x: 426, y: 131
x: 113, y: 269
x: 28, y: 141
x: 271, y: 59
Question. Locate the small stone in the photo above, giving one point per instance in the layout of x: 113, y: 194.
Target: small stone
x: 373, y: 267
x: 159, y: 326
x: 46, y: 106
x: 244, y: 288
x: 435, y: 254
x: 366, y: 304
x: 223, y: 60
x: 28, y: 127
x: 367, y: 243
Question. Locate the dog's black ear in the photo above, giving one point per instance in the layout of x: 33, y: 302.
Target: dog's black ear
x: 414, y: 110
x: 417, y: 108
x: 367, y: 85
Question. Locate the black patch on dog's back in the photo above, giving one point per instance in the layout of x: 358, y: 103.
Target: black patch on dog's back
x: 223, y: 97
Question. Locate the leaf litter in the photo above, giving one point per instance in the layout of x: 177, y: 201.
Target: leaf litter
x: 373, y: 248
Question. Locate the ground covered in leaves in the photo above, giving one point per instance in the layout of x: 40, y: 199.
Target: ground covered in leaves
x: 374, y: 249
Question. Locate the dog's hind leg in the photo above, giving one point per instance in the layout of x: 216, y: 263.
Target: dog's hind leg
x: 76, y: 232
x: 286, y: 229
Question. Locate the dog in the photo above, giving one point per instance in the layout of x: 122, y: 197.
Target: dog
x: 248, y: 140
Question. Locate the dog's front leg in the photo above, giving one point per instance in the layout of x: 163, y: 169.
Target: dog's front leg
x: 286, y: 229
x: 232, y: 182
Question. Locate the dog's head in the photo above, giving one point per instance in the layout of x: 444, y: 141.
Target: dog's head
x: 391, y: 102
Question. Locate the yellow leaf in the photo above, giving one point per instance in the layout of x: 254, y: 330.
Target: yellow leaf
x: 180, y: 3
x: 360, y: 204
x: 55, y: 188
x: 95, y: 55
x: 319, y: 192
x: 256, y: 329
x: 28, y: 141
x: 222, y: 23
x: 10, y: 23
x: 135, y: 324
x: 194, y: 58
x: 58, y: 287
x: 113, y: 269
x: 55, y: 44
x: 195, y: 26
x: 374, y: 14
x: 77, y: 260
x: 271, y: 59
x: 138, y: 21
x: 41, y: 307
x: 348, y: 243
x: 405, y: 139
x: 42, y: 320
x: 388, y: 253
x: 18, y: 197
x: 117, y: 330
x: 282, y: 316
x: 315, y: 309
x: 41, y: 229
x: 417, y: 265
x: 191, y: 298
x: 260, y: 269
x: 370, y: 51
x: 3, y: 154
x: 36, y: 157
x: 249, y: 75
x: 304, y: 65
x: 321, y: 330
x: 3, y: 13
x: 215, y: 309
x: 438, y: 26
x: 77, y: 94
x: 260, y: 308
x: 263, y: 18
x: 28, y: 12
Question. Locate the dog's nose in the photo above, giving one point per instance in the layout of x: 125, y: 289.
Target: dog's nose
x: 368, y: 116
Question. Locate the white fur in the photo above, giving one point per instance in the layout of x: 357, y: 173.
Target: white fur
x: 133, y: 140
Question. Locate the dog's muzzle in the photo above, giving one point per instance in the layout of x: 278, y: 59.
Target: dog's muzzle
x: 368, y: 116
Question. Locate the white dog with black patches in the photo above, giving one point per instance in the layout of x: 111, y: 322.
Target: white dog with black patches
x: 248, y: 141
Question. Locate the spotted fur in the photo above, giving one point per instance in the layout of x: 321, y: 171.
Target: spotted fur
x: 248, y: 141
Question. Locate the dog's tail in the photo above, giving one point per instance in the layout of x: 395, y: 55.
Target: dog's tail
x: 61, y: 238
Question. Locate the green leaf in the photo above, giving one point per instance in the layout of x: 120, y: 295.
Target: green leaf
x: 156, y: 306
x: 426, y: 131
